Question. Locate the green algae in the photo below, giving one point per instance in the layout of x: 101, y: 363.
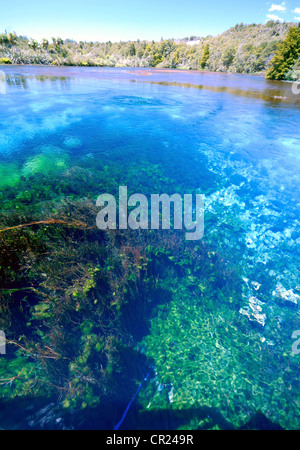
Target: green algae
x: 45, y: 163
x: 9, y: 175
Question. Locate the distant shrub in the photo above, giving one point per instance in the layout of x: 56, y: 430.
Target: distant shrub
x: 5, y: 61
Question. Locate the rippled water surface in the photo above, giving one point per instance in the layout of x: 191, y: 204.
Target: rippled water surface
x: 218, y: 360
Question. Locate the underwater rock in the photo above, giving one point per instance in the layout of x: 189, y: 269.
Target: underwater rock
x: 254, y: 312
x: 48, y: 417
x: 286, y: 297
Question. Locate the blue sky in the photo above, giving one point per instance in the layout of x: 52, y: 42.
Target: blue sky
x: 115, y: 20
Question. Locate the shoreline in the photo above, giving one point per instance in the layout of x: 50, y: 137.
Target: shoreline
x: 150, y: 69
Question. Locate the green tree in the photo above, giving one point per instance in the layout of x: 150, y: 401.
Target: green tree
x: 205, y: 57
x: 157, y: 59
x: 132, y: 50
x: 57, y: 44
x: 12, y: 38
x: 228, y: 57
x: 286, y: 56
x: 4, y: 38
x: 33, y: 44
x: 45, y: 44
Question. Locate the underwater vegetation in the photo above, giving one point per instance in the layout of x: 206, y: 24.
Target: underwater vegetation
x: 88, y: 313
x: 75, y: 301
x: 45, y: 162
x: 8, y: 175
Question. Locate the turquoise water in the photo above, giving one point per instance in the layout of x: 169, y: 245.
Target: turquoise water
x: 234, y: 138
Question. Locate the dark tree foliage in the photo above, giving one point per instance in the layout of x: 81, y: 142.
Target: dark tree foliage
x: 205, y: 57
x: 286, y: 56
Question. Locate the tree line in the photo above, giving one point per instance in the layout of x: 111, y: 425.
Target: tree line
x: 271, y: 48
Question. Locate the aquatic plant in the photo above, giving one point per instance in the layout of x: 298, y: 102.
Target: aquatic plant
x: 9, y: 175
x: 44, y: 163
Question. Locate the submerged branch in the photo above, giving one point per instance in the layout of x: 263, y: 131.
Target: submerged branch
x: 73, y: 223
x: 49, y: 353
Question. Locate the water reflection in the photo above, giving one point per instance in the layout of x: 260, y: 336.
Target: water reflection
x: 19, y: 81
x: 276, y: 94
x: 23, y: 81
x: 242, y: 85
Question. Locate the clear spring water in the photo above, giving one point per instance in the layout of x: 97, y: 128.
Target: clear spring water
x: 234, y: 138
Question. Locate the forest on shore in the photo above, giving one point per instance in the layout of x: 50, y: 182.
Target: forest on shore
x: 254, y: 48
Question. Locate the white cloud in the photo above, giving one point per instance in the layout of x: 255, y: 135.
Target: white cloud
x: 281, y: 7
x: 296, y: 18
x: 273, y: 17
x: 297, y: 10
